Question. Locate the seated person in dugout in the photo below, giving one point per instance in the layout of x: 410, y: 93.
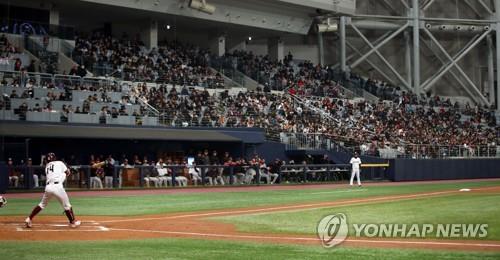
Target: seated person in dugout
x: 265, y: 172
x: 150, y: 173
x: 250, y: 171
x: 180, y: 180
x: 163, y: 173
x: 239, y: 170
x: 195, y: 173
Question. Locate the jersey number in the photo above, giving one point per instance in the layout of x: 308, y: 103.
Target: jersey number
x: 51, y: 169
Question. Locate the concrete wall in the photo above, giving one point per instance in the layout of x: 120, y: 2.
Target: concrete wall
x: 442, y: 169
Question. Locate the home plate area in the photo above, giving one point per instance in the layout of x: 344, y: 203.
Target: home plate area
x: 87, y: 226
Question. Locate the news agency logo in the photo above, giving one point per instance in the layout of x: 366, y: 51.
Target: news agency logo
x: 421, y: 230
x: 333, y: 229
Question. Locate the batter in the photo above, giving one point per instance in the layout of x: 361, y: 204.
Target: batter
x: 56, y: 172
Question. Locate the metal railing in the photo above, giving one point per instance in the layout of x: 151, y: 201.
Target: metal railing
x: 66, y: 48
x: 307, y: 104
x: 58, y: 80
x: 226, y: 67
x: 319, y: 141
x: 426, y: 151
x: 108, y: 176
x: 312, y: 141
x: 49, y: 60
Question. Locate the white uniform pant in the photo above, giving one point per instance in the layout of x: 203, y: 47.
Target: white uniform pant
x: 35, y: 181
x: 355, y: 172
x: 95, y: 183
x: 108, y: 182
x: 249, y: 174
x: 57, y: 191
x: 268, y: 176
x: 181, y: 181
x: 165, y: 180
x: 219, y: 179
x: 14, y: 180
x: 195, y: 175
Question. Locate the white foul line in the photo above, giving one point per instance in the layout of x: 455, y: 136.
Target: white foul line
x: 62, y: 230
x: 338, y: 191
x: 284, y: 208
x: 307, y: 238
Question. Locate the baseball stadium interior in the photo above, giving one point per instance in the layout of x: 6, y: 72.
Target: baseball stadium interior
x: 180, y: 94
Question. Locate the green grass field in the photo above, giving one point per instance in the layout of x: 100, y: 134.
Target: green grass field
x: 456, y: 208
x: 209, y: 249
x: 185, y: 202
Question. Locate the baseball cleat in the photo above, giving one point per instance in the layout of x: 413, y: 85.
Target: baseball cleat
x: 75, y: 224
x: 28, y: 223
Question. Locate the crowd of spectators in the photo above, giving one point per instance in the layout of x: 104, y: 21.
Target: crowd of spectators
x: 400, y: 118
x: 6, y: 48
x: 62, y: 90
x: 405, y: 127
x: 303, y: 78
x: 370, y: 126
x: 364, y: 124
x: 192, y: 107
x: 171, y: 62
x: 387, y: 91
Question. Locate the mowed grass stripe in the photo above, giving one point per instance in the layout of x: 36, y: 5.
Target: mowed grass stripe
x: 213, y: 249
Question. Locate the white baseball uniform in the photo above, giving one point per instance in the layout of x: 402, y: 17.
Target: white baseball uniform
x: 163, y: 174
x: 356, y: 163
x: 56, y: 175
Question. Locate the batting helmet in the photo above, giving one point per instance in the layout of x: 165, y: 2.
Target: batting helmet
x: 51, y: 157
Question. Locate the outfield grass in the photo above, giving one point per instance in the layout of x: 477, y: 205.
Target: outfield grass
x: 184, y: 202
x: 210, y: 249
x: 455, y: 208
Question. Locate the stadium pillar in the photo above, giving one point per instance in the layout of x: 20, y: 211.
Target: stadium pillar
x: 416, y: 47
x: 321, y: 51
x: 54, y: 16
x: 491, y: 69
x: 276, y: 49
x: 218, y: 45
x: 150, y: 35
x: 343, y: 60
x: 497, y: 41
x: 407, y: 38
